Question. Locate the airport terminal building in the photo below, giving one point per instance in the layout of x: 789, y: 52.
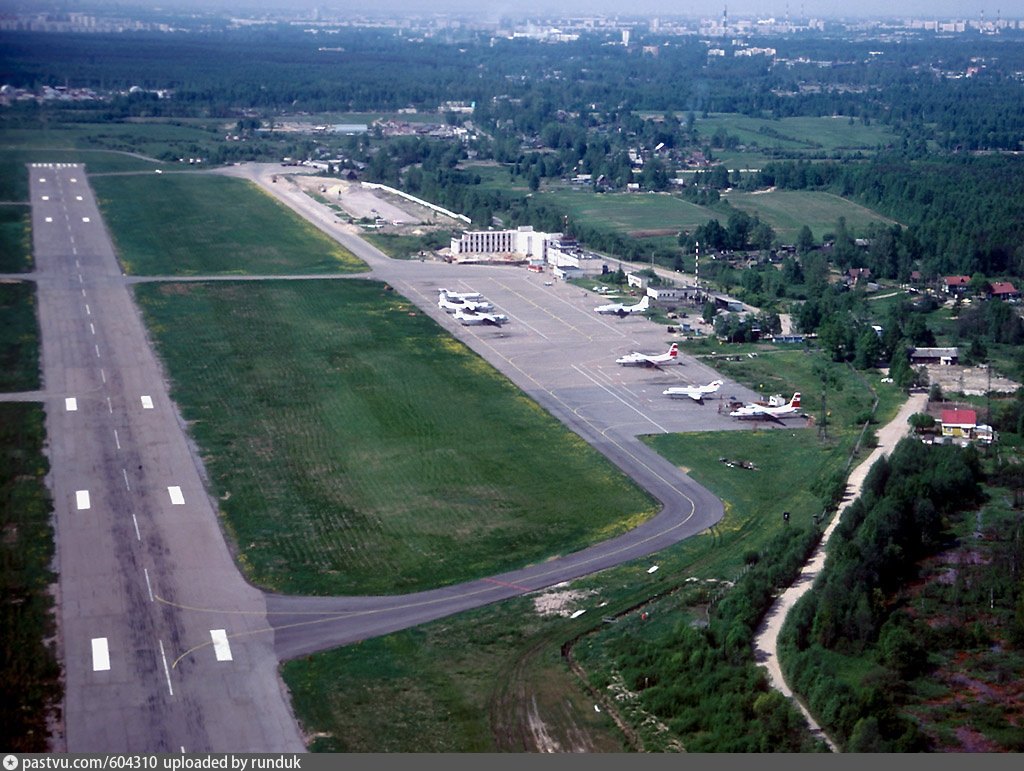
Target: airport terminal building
x: 523, y: 242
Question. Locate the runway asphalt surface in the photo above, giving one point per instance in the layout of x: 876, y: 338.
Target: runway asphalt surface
x: 164, y: 644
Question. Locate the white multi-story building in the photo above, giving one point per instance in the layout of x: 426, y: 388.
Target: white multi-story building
x: 523, y: 241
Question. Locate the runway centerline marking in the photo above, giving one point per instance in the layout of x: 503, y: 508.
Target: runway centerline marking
x: 82, y: 499
x: 97, y: 347
x: 100, y: 654
x: 103, y: 375
x: 116, y: 440
x: 167, y: 672
x: 110, y: 407
x: 149, y: 586
x: 125, y: 473
x: 87, y: 311
x: 176, y: 497
x: 135, y: 521
x: 71, y: 404
x: 92, y: 327
x: 221, y: 646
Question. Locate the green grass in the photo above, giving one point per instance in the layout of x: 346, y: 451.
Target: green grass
x: 789, y: 210
x: 30, y: 687
x: 627, y: 212
x: 357, y: 448
x: 402, y: 247
x: 798, y: 135
x: 19, y: 337
x: 197, y: 224
x: 15, y: 240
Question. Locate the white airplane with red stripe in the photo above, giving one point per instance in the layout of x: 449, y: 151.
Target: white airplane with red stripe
x: 637, y: 359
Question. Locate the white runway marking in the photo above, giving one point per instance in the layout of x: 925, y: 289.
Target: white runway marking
x: 71, y: 404
x: 46, y: 198
x: 82, y: 499
x: 149, y: 586
x: 100, y: 654
x: 85, y: 219
x: 103, y: 375
x: 77, y: 263
x: 147, y: 402
x: 78, y: 198
x: 97, y: 350
x: 176, y: 497
x: 83, y: 293
x: 49, y: 219
x: 125, y: 473
x: 221, y: 646
x: 116, y: 440
x: 42, y: 179
x: 110, y: 407
x: 73, y: 179
x: 80, y: 279
x: 138, y: 535
x: 87, y: 311
x: 167, y: 672
x: 92, y: 328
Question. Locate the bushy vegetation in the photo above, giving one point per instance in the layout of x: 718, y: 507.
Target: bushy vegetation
x: 15, y: 249
x: 847, y: 647
x: 19, y: 337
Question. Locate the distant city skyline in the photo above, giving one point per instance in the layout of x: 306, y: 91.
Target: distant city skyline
x: 947, y: 9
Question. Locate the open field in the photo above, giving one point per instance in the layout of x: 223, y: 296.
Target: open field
x: 797, y: 135
x: 356, y: 448
x: 19, y: 337
x: 15, y: 240
x: 30, y: 685
x: 789, y: 210
x: 178, y: 224
x: 626, y: 212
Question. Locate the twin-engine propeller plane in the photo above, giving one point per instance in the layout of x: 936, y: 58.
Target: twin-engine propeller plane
x: 618, y: 309
x: 637, y: 359
x: 775, y: 410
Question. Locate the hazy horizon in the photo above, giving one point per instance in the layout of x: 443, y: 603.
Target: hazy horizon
x: 779, y: 9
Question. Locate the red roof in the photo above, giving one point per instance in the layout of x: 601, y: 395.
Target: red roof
x: 1003, y: 287
x: 959, y: 418
x: 957, y: 280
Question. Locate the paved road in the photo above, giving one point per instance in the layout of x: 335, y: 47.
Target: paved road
x: 133, y: 520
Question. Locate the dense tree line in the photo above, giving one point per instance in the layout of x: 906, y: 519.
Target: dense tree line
x: 899, y: 519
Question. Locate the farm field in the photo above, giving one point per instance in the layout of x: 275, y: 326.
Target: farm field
x: 789, y: 210
x: 354, y: 445
x: 178, y: 224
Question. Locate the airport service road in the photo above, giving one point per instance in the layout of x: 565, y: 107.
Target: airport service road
x: 137, y: 537
x: 561, y: 353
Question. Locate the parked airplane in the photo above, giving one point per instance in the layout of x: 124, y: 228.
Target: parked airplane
x: 624, y: 310
x: 774, y: 410
x: 637, y: 359
x: 697, y: 393
x: 461, y: 295
x: 450, y: 304
x: 468, y: 318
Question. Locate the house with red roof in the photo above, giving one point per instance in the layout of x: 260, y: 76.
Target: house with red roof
x: 960, y: 424
x: 956, y: 284
x: 1004, y: 290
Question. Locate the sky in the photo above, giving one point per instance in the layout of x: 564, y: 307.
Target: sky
x: 946, y: 9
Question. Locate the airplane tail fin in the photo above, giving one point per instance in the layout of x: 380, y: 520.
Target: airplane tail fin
x: 674, y: 350
x: 644, y: 303
x: 795, y: 401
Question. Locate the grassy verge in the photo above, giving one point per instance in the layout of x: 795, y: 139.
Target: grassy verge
x: 408, y: 247
x: 357, y: 448
x: 30, y: 689
x: 15, y: 240
x: 19, y: 337
x: 185, y: 224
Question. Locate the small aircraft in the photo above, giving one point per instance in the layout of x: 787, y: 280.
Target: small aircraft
x: 624, y: 310
x: 697, y: 393
x: 451, y: 304
x: 469, y: 319
x: 637, y: 359
x: 774, y: 410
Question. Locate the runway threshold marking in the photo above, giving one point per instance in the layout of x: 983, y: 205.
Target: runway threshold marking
x: 100, y: 654
x: 82, y: 499
x: 71, y: 404
x: 221, y: 646
x: 176, y: 497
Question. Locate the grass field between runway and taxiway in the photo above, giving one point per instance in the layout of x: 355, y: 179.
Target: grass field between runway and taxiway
x: 30, y: 677
x: 204, y: 224
x: 19, y: 337
x: 357, y: 448
x: 15, y: 239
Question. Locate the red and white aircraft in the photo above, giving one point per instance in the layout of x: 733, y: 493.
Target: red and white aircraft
x: 637, y: 359
x: 774, y: 410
